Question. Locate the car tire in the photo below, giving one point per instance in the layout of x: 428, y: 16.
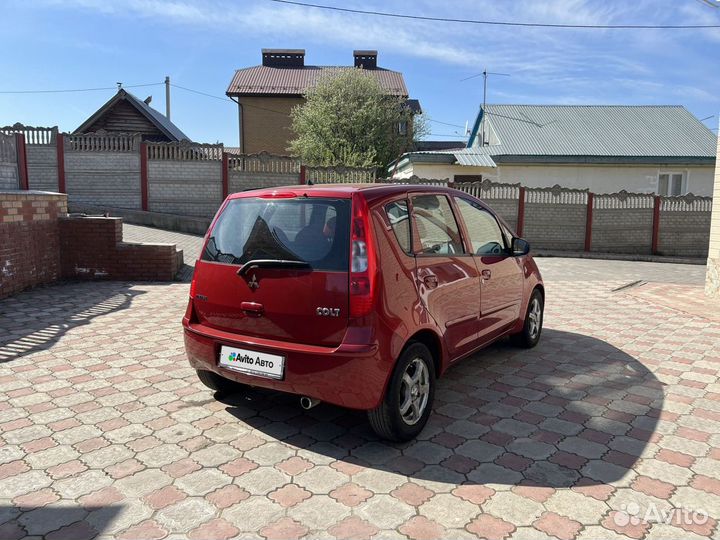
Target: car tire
x: 219, y: 384
x: 532, y: 327
x: 413, y: 379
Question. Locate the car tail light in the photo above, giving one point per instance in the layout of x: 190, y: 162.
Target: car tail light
x: 362, y: 261
x: 192, y: 287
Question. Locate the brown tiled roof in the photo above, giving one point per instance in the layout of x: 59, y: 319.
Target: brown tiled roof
x: 264, y: 80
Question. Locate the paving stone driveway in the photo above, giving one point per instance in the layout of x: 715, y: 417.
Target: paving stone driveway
x: 105, y: 430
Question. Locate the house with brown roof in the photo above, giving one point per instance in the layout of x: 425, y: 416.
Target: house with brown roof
x: 266, y: 94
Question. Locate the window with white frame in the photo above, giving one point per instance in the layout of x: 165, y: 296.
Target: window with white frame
x: 671, y: 184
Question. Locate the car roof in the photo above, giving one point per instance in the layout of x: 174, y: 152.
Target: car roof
x: 369, y: 191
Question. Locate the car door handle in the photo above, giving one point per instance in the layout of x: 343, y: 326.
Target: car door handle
x: 252, y: 308
x: 430, y: 281
x: 486, y: 274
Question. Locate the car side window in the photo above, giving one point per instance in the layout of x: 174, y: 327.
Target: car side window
x: 436, y: 226
x: 399, y: 218
x: 483, y: 229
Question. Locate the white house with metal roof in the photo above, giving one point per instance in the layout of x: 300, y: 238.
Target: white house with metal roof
x: 605, y: 148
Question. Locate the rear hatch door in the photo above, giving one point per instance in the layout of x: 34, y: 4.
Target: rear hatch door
x: 277, y: 268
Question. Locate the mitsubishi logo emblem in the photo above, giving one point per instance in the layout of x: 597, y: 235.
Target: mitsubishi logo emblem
x: 253, y: 283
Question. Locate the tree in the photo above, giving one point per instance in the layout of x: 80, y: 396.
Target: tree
x: 349, y: 120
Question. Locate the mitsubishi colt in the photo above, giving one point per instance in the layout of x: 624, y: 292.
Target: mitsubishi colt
x: 357, y: 295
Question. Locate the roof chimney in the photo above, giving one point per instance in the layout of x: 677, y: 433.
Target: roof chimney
x: 365, y: 59
x: 283, y: 58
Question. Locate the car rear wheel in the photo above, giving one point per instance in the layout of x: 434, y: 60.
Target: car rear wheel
x: 408, y: 401
x: 530, y: 334
x: 219, y: 384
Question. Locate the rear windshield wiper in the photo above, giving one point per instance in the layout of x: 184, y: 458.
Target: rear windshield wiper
x: 270, y: 263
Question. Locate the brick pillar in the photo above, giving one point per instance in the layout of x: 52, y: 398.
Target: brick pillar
x: 303, y: 172
x: 656, y: 224
x: 521, y: 212
x: 588, y: 222
x: 60, y: 147
x: 144, y: 176
x: 225, y: 173
x: 23, y: 181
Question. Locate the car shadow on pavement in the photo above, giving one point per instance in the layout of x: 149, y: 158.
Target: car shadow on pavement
x: 574, y: 411
x: 56, y: 522
x: 34, y: 320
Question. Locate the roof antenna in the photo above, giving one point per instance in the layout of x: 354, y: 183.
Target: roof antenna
x: 485, y: 73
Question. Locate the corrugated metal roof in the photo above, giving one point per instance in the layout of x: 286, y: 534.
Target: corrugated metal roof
x: 466, y: 156
x: 263, y: 80
x: 597, y: 130
x: 462, y: 156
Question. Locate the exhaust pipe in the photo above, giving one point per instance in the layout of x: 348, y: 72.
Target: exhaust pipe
x: 308, y: 403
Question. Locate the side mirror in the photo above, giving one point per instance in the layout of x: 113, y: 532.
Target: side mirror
x: 520, y: 247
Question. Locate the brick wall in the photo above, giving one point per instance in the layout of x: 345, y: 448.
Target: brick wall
x: 103, y: 178
x: 712, y: 282
x: 92, y: 247
x: 189, y: 188
x: 42, y: 166
x: 267, y: 124
x: 29, y: 239
x: 8, y: 176
x: 8, y: 162
x: 243, y: 180
x: 555, y: 226
x: 684, y: 233
x: 622, y: 230
x: 506, y: 209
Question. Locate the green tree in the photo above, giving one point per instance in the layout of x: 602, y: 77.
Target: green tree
x: 349, y: 120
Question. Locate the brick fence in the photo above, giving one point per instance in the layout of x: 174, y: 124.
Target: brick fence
x: 117, y: 171
x: 563, y: 219
x: 40, y: 243
x: 122, y: 171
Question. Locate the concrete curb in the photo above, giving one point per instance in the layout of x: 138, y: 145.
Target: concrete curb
x: 170, y: 222
x: 617, y: 257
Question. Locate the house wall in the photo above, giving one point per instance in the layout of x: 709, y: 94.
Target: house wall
x: 596, y: 178
x: 125, y: 118
x: 604, y: 178
x: 266, y: 123
x: 712, y: 283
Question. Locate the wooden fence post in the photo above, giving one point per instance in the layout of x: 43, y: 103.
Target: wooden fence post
x: 656, y: 224
x: 303, y: 173
x: 144, y: 176
x: 521, y: 211
x: 23, y: 181
x: 60, y: 148
x: 588, y: 221
x: 225, y: 174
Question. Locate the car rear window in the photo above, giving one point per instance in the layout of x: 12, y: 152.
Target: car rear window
x: 313, y: 230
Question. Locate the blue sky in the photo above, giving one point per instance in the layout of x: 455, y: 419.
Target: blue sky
x: 65, y: 44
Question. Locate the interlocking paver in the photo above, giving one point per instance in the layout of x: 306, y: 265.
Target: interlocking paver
x: 618, y: 404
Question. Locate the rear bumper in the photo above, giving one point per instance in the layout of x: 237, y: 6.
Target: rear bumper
x: 350, y: 375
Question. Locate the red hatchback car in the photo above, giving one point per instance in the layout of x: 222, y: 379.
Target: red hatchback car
x: 357, y: 295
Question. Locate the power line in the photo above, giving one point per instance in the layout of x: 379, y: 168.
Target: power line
x: 448, y: 135
x: 503, y: 23
x: 446, y: 123
x: 201, y: 93
x: 284, y: 113
x: 76, y: 89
